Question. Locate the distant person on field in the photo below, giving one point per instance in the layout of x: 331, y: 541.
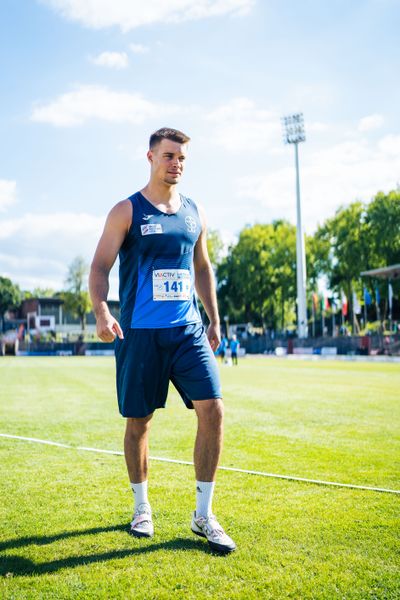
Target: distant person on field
x: 234, y: 345
x: 222, y: 348
x: 160, y: 236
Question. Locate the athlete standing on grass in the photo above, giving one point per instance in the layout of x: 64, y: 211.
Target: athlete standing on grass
x: 160, y: 237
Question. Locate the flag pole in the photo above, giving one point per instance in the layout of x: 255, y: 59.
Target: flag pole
x: 390, y: 299
x: 378, y: 310
x: 365, y: 308
x: 313, y: 316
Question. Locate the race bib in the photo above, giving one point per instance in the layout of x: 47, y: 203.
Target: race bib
x: 171, y: 284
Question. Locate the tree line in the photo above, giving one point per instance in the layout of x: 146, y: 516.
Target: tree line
x: 257, y: 278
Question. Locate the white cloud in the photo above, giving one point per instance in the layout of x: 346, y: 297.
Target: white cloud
x: 331, y: 177
x: 317, y: 127
x: 63, y: 230
x: 128, y: 14
x: 240, y: 125
x: 138, y: 48
x: 8, y: 193
x: 370, y: 122
x: 390, y: 144
x: 30, y: 272
x: 95, y: 102
x: 47, y: 244
x: 112, y: 60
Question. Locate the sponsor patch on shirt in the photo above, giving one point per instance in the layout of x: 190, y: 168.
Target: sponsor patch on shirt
x: 151, y: 228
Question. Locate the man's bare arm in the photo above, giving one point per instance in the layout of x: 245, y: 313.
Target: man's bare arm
x: 116, y: 227
x: 205, y: 285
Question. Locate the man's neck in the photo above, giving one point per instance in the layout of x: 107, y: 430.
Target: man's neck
x: 165, y: 195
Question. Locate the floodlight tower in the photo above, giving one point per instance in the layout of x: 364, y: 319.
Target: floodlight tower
x: 293, y: 133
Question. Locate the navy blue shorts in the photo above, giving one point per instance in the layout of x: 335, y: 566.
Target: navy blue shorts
x: 148, y: 359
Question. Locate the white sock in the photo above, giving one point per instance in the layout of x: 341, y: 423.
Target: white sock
x: 140, y: 493
x: 204, y: 494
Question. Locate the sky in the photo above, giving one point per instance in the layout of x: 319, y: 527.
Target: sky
x: 84, y: 83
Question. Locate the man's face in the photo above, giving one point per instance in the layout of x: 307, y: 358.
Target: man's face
x: 167, y: 161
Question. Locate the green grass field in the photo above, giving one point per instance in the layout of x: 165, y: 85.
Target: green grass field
x: 65, y: 512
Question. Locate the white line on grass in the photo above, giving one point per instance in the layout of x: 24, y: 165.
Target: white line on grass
x: 29, y: 439
x: 186, y: 462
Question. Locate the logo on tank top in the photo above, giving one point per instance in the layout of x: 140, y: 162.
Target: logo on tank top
x: 147, y: 217
x: 151, y: 228
x: 191, y: 224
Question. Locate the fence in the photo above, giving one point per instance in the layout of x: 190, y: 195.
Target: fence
x: 371, y: 344
x: 65, y: 349
x: 252, y: 345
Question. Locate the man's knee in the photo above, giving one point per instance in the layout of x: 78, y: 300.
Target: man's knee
x: 217, y: 409
x: 210, y: 412
x: 137, y: 428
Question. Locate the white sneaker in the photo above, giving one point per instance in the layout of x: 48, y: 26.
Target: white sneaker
x: 209, y: 528
x: 142, y: 523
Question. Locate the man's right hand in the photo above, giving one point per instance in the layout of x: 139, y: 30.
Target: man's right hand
x: 108, y: 328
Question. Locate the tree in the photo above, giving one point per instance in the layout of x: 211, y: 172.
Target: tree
x: 256, y: 281
x: 215, y: 247
x: 383, y: 228
x: 383, y: 231
x: 10, y: 297
x: 76, y: 297
x: 283, y: 266
x: 39, y: 292
x: 350, y: 252
x: 318, y: 257
x: 360, y: 237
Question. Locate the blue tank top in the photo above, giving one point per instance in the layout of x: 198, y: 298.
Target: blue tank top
x: 156, y: 272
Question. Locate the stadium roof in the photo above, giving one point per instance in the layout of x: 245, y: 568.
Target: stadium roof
x: 392, y: 272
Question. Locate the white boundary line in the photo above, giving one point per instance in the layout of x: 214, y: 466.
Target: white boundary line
x: 185, y: 462
x: 29, y: 439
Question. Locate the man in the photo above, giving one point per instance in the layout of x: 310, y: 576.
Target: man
x: 160, y: 236
x: 222, y: 348
x: 234, y: 349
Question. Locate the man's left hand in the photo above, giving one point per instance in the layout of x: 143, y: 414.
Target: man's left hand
x: 214, y: 336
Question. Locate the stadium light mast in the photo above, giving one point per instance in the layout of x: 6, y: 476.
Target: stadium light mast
x: 293, y: 133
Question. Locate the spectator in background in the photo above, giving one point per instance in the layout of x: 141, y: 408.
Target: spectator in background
x: 234, y: 345
x: 221, y: 352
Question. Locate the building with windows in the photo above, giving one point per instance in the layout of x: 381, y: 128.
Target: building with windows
x: 49, y: 314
